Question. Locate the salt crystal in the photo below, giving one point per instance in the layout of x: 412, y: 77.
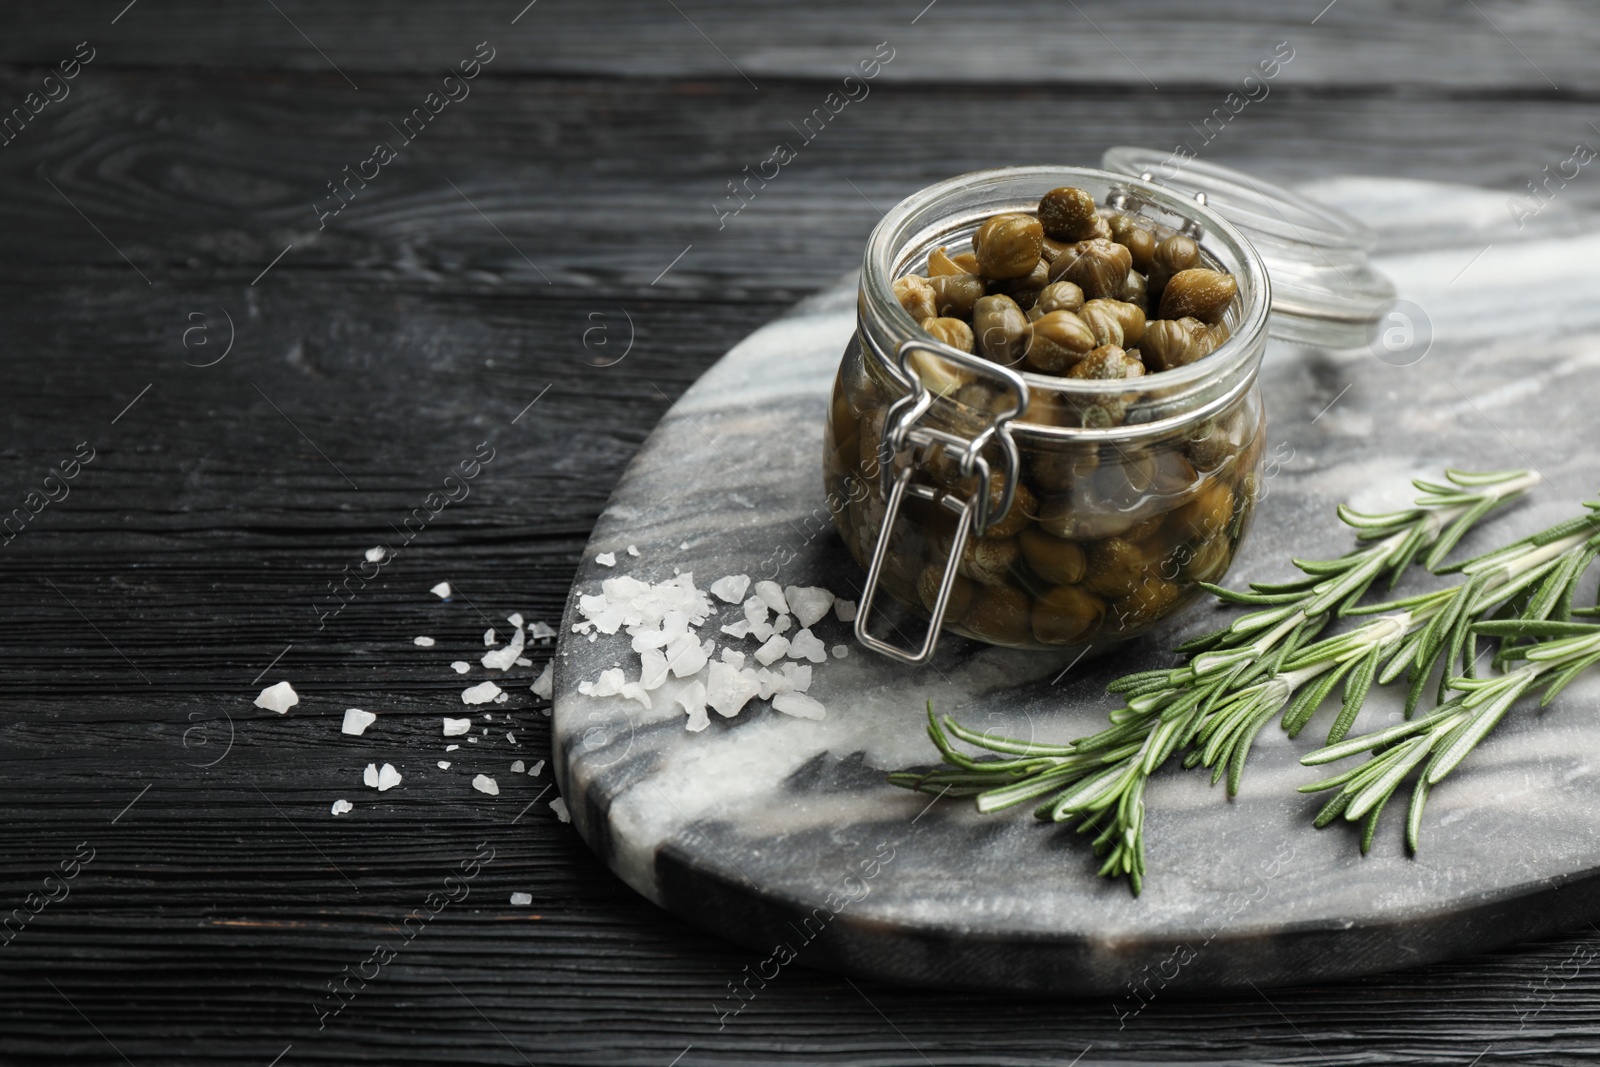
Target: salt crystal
x: 502, y: 659
x: 540, y: 631
x: 488, y: 716
x: 635, y: 691
x: 451, y: 748
x: 481, y: 693
x: 501, y: 698
x: 559, y: 806
x: 781, y: 624
x: 484, y: 784
x: 606, y: 559
x: 845, y: 610
x: 375, y: 555
x: 422, y: 642
x: 806, y: 645
x: 693, y: 699
x: 521, y: 900
x: 686, y: 655
x: 840, y: 651
x: 279, y: 698
x: 511, y: 737
x: 524, y: 661
x: 771, y: 594
x: 515, y: 618
x: 737, y: 629
x: 729, y: 689
x: 356, y: 721
x: 799, y: 705
x: 808, y: 603
x: 444, y: 765
x: 457, y: 727
x: 683, y: 546
x: 545, y: 683
x: 732, y: 588
x: 627, y: 601
x: 369, y: 777
x: 461, y: 666
x: 442, y: 590
x: 732, y: 657
x: 609, y: 684
x: 536, y: 768
x: 489, y: 638
x: 340, y: 807
x: 388, y: 777
x: 472, y: 740
x: 773, y: 650
x: 633, y: 550
x: 798, y: 675
x: 653, y: 668
x: 517, y: 767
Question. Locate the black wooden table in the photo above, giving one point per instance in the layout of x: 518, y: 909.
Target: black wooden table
x: 208, y: 176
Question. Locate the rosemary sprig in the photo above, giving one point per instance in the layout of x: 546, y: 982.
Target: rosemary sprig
x: 1237, y: 679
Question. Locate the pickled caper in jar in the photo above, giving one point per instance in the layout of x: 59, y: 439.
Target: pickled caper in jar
x: 1008, y: 246
x: 961, y: 590
x: 954, y: 294
x: 1099, y: 267
x: 1002, y: 614
x: 1056, y: 561
x: 1198, y: 293
x: 1000, y: 328
x: 916, y: 296
x: 952, y: 332
x: 1057, y: 341
x: 1066, y: 615
x: 1067, y: 214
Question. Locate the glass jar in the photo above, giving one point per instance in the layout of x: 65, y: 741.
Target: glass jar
x: 1025, y: 509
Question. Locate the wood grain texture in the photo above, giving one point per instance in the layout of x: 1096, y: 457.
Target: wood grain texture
x: 217, y: 907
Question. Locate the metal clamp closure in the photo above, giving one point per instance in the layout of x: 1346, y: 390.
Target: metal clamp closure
x: 907, y: 446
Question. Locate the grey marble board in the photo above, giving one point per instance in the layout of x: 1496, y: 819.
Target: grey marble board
x: 780, y: 833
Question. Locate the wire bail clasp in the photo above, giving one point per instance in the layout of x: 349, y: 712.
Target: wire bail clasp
x: 908, y: 443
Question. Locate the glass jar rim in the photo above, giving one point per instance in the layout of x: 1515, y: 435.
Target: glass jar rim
x: 908, y: 224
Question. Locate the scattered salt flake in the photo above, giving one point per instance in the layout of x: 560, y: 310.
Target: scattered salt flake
x: 633, y: 550
x: 686, y: 655
x: 732, y: 588
x: 502, y: 659
x: 515, y: 618
x: 442, y: 590
x: 484, y: 784
x: 356, y: 721
x: 808, y: 603
x: 444, y: 765
x: 521, y: 900
x: 732, y: 657
x: 517, y: 767
x: 653, y: 668
x: 683, y: 546
x: 798, y: 676
x: 501, y: 698
x: 524, y: 661
x: 738, y: 629
x: 771, y: 594
x: 609, y: 684
x: 451, y: 748
x: 540, y: 631
x: 781, y: 624
x: 388, y: 777
x: 369, y: 777
x: 279, y: 698
x: 511, y: 737
x: 693, y: 699
x: 422, y: 642
x: 375, y: 555
x: 845, y: 610
x: 799, y: 705
x: 729, y: 689
x: 341, y: 807
x: 769, y: 682
x: 461, y: 666
x: 841, y: 651
x: 545, y: 683
x: 488, y: 716
x: 773, y: 650
x: 481, y: 693
x: 606, y: 559
x: 488, y: 638
x: 472, y: 740
x: 806, y: 645
x: 457, y: 727
x: 536, y: 768
x: 559, y: 806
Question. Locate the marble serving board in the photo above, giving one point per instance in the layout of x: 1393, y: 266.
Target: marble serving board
x: 781, y: 834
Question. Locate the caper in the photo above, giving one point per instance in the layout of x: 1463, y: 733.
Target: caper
x: 954, y: 294
x: 1083, y: 515
x: 1173, y: 254
x: 1001, y: 614
x: 952, y: 332
x: 1053, y: 248
x: 1210, y: 446
x: 940, y: 264
x: 1000, y: 328
x: 916, y: 296
x: 1114, y: 567
x: 1023, y: 506
x: 1140, y: 242
x: 941, y: 376
x: 1208, y: 560
x: 928, y: 591
x: 1066, y: 614
x: 1140, y: 532
x: 1025, y: 290
x: 1129, y: 320
x: 1067, y: 214
x: 1207, y: 515
x: 1199, y: 293
x: 1056, y: 561
x: 1058, y: 296
x: 1146, y: 602
x: 967, y: 261
x: 1171, y: 343
x: 1008, y: 246
x: 1058, y: 470
x: 1107, y: 362
x: 988, y: 560
x: 1058, y: 340
x: 1099, y: 267
x: 1135, y: 291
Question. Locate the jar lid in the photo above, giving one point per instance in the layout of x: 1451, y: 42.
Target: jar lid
x: 1324, y: 290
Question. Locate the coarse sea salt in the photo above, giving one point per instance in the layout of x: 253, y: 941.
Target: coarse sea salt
x: 422, y: 642
x: 356, y: 721
x: 845, y: 610
x: 732, y: 588
x: 375, y: 555
x: 808, y: 603
x: 481, y: 693
x: 484, y: 784
x: 521, y: 900
x: 340, y: 807
x: 806, y: 645
x: 606, y: 559
x: 451, y: 748
x: 369, y: 777
x: 517, y: 767
x: 457, y: 727
x: 279, y: 697
x: 841, y: 651
x: 775, y: 648
x: 489, y: 638
x: 771, y: 594
x: 388, y: 777
x: 502, y: 659
x: 442, y: 590
x: 544, y: 684
x: 444, y: 765
x: 559, y: 806
x: 541, y: 631
x: 633, y: 550
x: 799, y: 705
x: 461, y: 666
x: 536, y: 768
